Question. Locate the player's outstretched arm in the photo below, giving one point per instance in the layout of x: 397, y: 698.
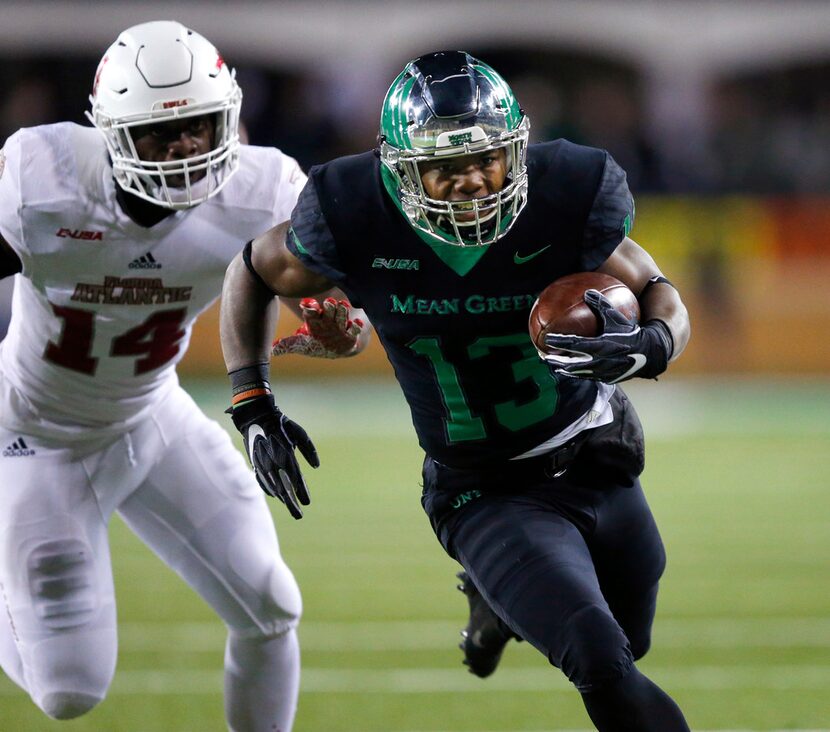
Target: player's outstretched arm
x: 250, y: 308
x: 248, y: 314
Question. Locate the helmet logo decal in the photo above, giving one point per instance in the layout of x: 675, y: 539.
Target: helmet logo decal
x: 457, y: 138
x: 175, y: 103
x: 98, y: 75
x: 461, y: 138
x: 220, y: 63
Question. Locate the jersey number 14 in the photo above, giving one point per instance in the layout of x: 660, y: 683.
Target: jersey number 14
x: 156, y: 339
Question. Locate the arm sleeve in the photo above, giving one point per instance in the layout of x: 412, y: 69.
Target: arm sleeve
x: 611, y: 216
x: 11, y: 201
x: 310, y: 239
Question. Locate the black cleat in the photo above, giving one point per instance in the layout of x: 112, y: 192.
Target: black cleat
x: 485, y: 635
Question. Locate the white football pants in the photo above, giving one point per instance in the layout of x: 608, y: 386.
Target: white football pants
x: 181, y: 486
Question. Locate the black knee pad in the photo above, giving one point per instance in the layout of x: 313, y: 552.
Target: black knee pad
x: 594, y: 648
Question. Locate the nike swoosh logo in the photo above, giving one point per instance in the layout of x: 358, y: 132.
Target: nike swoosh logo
x: 639, y: 362
x: 254, y: 431
x: 519, y: 259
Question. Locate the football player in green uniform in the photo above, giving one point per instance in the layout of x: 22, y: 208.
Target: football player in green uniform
x: 445, y: 235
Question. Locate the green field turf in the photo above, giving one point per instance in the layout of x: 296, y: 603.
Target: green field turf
x: 738, y: 476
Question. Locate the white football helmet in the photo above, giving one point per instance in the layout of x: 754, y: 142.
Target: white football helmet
x: 162, y: 71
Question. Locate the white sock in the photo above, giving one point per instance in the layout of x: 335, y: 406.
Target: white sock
x: 262, y: 682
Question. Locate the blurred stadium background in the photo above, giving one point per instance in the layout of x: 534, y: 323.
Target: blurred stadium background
x: 720, y: 113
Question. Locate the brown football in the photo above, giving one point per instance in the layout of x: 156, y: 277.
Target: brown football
x: 561, y: 307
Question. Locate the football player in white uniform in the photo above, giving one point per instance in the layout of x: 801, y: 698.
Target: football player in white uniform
x: 120, y: 237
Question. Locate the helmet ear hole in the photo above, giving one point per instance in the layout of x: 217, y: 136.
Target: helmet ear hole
x: 449, y: 104
x: 128, y: 94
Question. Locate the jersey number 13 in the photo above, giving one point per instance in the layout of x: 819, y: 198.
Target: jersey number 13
x: 460, y: 423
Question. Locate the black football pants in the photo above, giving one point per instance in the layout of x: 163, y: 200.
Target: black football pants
x: 571, y: 565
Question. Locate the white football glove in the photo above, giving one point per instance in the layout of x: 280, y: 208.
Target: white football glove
x: 326, y: 332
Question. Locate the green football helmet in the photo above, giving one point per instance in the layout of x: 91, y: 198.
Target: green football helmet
x: 450, y: 104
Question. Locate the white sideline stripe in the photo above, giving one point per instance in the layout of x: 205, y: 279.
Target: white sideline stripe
x: 368, y: 636
x: 184, y: 681
x: 547, y: 679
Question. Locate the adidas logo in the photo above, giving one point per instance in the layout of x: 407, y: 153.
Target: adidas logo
x: 18, y: 448
x: 148, y: 261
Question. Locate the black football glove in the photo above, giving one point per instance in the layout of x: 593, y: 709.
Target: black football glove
x: 270, y: 438
x: 622, y: 351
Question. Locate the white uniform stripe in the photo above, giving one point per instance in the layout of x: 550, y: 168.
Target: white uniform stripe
x: 182, y: 681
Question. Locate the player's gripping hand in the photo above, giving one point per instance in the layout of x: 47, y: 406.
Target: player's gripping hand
x: 270, y: 439
x: 326, y: 332
x: 622, y: 351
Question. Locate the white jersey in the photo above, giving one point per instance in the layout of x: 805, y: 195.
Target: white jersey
x: 103, y: 309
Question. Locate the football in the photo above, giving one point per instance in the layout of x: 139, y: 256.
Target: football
x: 561, y: 308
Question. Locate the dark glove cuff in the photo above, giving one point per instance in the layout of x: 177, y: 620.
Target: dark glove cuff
x: 660, y: 349
x: 661, y: 330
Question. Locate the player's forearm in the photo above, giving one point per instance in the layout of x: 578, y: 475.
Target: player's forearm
x: 248, y: 318
x: 634, y: 266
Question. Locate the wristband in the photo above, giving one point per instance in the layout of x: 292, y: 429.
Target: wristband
x: 249, y: 382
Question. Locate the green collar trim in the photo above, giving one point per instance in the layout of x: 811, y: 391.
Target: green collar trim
x: 459, y: 259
